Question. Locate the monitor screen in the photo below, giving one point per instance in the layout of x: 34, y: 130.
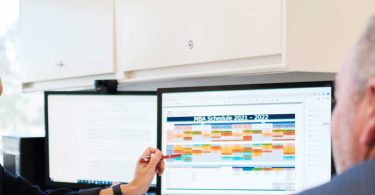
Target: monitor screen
x: 247, y: 139
x: 96, y: 139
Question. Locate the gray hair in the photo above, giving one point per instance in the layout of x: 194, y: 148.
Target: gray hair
x: 364, y: 57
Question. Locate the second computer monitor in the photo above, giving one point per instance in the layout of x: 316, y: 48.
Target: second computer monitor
x: 95, y: 139
x: 247, y: 139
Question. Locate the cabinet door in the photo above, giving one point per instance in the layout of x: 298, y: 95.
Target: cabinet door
x: 153, y: 34
x: 65, y: 38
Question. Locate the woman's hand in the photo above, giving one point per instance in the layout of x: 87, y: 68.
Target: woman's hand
x: 144, y: 173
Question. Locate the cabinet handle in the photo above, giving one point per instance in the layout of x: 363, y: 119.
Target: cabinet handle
x: 190, y: 44
x: 60, y: 64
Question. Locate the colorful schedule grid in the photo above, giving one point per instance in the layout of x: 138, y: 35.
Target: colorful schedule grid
x: 254, y: 147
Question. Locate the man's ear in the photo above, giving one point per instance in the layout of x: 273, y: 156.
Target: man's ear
x: 367, y: 137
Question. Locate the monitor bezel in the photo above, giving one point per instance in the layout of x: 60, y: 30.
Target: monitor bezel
x: 285, y: 85
x: 76, y: 186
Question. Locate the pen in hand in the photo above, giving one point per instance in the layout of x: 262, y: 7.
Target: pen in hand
x: 147, y: 159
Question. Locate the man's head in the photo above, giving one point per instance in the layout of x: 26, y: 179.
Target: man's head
x: 353, y: 120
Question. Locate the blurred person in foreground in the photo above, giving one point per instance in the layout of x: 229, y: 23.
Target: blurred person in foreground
x: 353, y: 121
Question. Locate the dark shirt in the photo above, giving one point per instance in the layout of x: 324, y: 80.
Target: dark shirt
x: 358, y: 180
x: 11, y: 185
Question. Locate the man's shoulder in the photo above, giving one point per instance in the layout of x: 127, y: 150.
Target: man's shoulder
x: 359, y: 179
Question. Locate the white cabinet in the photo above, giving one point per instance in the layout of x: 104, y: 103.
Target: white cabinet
x: 169, y: 39
x: 139, y: 40
x: 65, y: 39
x: 154, y: 34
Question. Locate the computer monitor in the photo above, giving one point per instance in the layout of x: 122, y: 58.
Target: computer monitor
x: 245, y: 139
x: 95, y: 139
